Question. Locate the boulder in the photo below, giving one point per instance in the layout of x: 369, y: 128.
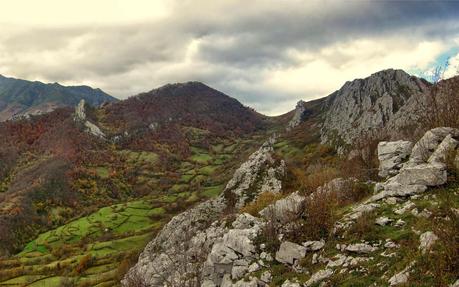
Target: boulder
x: 319, y: 276
x: 426, y: 146
x: 399, y: 278
x: 425, y: 167
x: 391, y: 156
x: 422, y: 174
x: 383, y: 220
x: 290, y: 252
x: 284, y: 210
x: 361, y: 248
x: 427, y: 239
x: 314, y: 245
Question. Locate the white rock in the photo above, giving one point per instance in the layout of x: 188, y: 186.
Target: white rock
x: 391, y: 155
x: 339, y: 260
x: 314, y: 245
x: 266, y: 277
x: 361, y: 248
x: 427, y: 239
x: 254, y: 267
x: 399, y: 223
x: 319, y: 276
x: 383, y: 220
x: 406, y: 207
x: 284, y: 210
x: 455, y: 284
x: 290, y: 252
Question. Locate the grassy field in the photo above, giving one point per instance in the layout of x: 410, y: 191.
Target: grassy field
x: 98, y: 248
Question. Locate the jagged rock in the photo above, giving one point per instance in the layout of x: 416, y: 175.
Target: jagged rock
x: 440, y: 155
x: 319, y: 276
x: 284, y: 210
x: 391, y: 155
x: 361, y: 248
x: 383, y: 220
x: 290, y: 252
x: 80, y: 117
x: 427, y: 239
x: 80, y: 113
x: 425, y: 167
x: 314, y: 245
x: 426, y: 146
x: 384, y: 103
x: 259, y: 168
x: 297, y: 116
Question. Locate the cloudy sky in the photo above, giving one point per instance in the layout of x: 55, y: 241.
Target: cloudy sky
x: 267, y: 54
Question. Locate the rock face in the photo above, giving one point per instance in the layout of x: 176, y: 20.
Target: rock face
x: 382, y: 103
x: 391, y: 155
x: 259, y: 169
x: 297, y: 116
x: 80, y: 117
x: 233, y: 252
x: 426, y: 165
x: 197, y: 244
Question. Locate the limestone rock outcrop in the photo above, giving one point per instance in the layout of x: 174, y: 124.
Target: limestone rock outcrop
x: 425, y: 167
x: 391, y: 156
x: 80, y: 117
x: 383, y: 103
x: 297, y: 116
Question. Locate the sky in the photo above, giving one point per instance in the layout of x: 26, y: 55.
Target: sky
x: 267, y: 54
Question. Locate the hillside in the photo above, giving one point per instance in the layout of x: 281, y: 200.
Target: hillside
x: 184, y: 185
x: 326, y: 203
x: 70, y: 195
x: 21, y: 97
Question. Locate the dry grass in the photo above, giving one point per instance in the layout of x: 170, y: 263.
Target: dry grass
x: 262, y: 201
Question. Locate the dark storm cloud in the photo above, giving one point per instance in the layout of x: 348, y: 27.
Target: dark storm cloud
x: 233, y: 46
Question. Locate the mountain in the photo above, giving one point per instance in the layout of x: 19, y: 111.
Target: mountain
x: 21, y: 97
x: 191, y: 104
x: 383, y: 102
x: 186, y: 186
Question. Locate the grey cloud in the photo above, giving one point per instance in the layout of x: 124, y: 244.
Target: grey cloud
x: 238, y: 43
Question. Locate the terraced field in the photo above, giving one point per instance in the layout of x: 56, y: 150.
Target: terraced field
x: 97, y: 249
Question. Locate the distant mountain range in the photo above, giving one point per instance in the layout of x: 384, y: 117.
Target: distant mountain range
x: 20, y: 97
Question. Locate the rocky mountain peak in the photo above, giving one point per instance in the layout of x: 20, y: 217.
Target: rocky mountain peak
x: 372, y: 104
